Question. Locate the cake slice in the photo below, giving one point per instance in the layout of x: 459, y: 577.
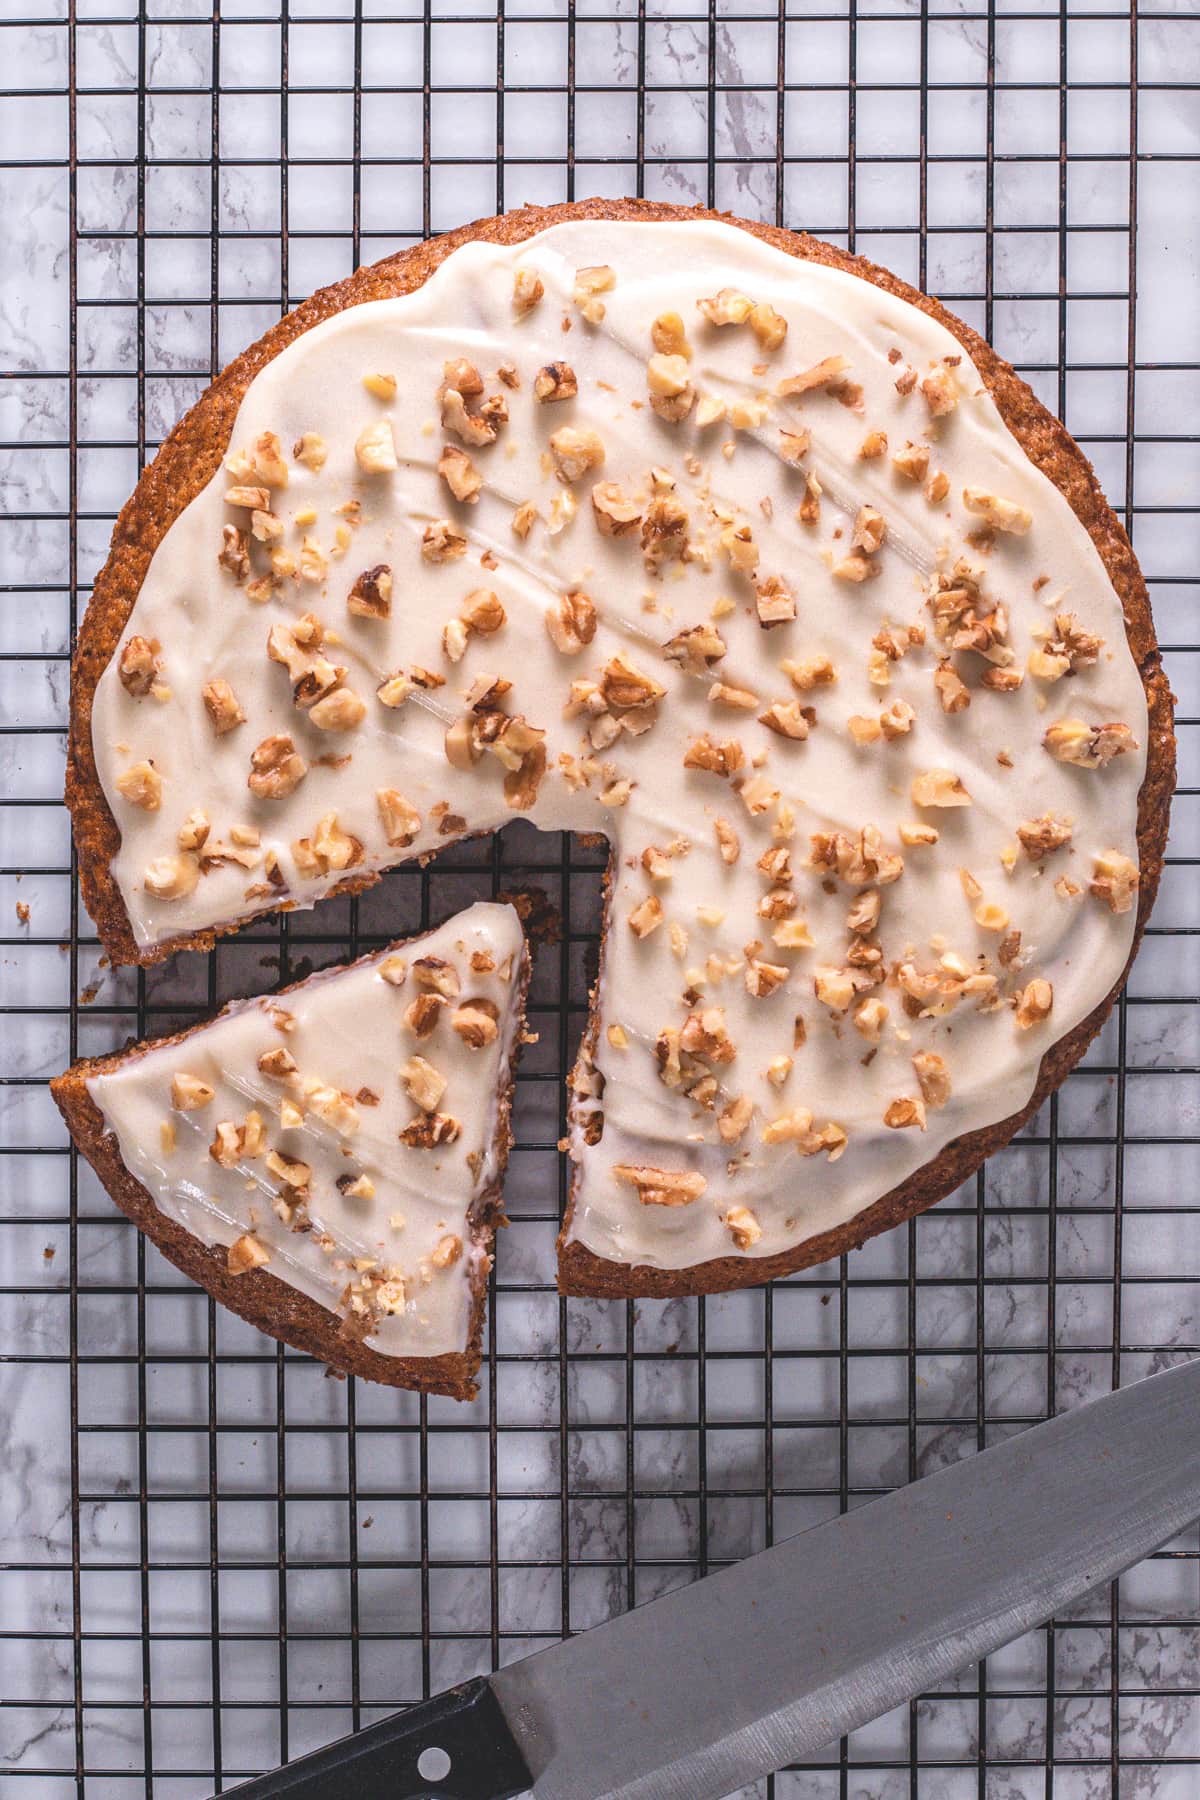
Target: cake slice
x: 327, y: 1161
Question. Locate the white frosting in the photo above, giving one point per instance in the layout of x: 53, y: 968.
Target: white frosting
x: 207, y: 627
x: 346, y: 1031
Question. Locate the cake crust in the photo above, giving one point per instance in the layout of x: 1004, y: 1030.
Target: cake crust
x: 259, y: 1297
x: 192, y: 453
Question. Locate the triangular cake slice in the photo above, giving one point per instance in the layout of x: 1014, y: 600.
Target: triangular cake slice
x: 327, y: 1161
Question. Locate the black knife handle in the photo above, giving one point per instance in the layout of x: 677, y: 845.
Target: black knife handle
x: 381, y: 1762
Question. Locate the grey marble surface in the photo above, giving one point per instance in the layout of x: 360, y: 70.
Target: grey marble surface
x: 260, y: 1549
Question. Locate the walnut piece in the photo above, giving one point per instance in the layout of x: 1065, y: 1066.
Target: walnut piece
x: 672, y: 395
x: 399, y: 817
x: 743, y: 1227
x: 423, y: 1084
x: 246, y: 1253
x: 575, y: 451
x: 442, y: 542
x: 528, y: 289
x: 341, y: 710
x: 556, y: 381
x: 829, y: 369
x: 775, y: 602
x: 138, y: 666
x: 905, y: 1112
x: 1041, y: 837
x: 1088, y: 746
x: 1001, y: 515
x: 939, y: 787
x: 941, y: 392
x: 141, y: 785
x: 571, y: 623
x: 1115, y: 880
x: 646, y: 917
x: 429, y: 1130
x: 476, y: 1022
x: 222, y: 705
x: 375, y: 449
x: 1034, y: 1003
x: 171, y: 877
x: 661, y: 1187
x: 276, y: 768
x: 189, y: 1093
x: 460, y: 474
x: 933, y: 1077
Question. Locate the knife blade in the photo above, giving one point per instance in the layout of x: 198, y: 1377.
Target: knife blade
x: 710, y: 1687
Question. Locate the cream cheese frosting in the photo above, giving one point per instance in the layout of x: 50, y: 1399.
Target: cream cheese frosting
x: 341, y: 1135
x: 651, y: 529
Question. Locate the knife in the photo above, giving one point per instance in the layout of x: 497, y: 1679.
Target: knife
x: 696, y: 1694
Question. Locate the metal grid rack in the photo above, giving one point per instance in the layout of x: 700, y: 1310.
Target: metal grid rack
x: 212, y: 1556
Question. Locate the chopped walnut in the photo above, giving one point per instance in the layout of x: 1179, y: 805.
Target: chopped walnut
x: 555, y: 382
x: 728, y: 307
x: 138, y: 666
x: 1034, y: 1003
x: 762, y: 979
x: 589, y: 284
x: 722, y: 693
x: 624, y: 685
x: 1001, y: 515
x: 429, y: 1130
x: 858, y: 858
x: 905, y: 1112
x: 141, y: 785
x: 952, y: 691
x: 477, y: 1023
x: 787, y: 719
x: 830, y: 369
x: 446, y: 1251
x: 870, y: 1016
x: 246, y: 1253
x: 870, y: 530
x: 423, y: 1084
x: 1115, y: 880
x: 661, y: 1187
x: 615, y: 515
x: 646, y: 917
x: 342, y: 710
x: 223, y: 707
x: 171, y: 877
x: 912, y: 462
x: 672, y: 395
x: 723, y: 758
x: 809, y: 510
x: 915, y: 835
x: 329, y: 850
x: 1040, y: 837
x: 375, y: 449
x: 743, y: 1227
x: 1088, y: 746
x: 728, y: 842
x: 460, y: 474
x: 571, y: 623
x: 310, y: 450
x: 775, y: 602
x: 276, y: 768
x: 575, y: 451
x: 734, y: 1118
x: 399, y: 817
x: 856, y: 566
x: 941, y: 392
x: 695, y: 649
x: 933, y: 1077
x: 189, y: 1093
x: 664, y: 534
x: 422, y: 1014
x: 442, y: 542
x: 768, y: 326
x: 234, y: 554
x: 939, y: 787
x: 811, y: 672
x: 528, y: 290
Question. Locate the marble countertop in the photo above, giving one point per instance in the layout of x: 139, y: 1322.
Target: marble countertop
x: 266, y: 1556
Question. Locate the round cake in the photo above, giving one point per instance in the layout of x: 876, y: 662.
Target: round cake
x: 721, y: 542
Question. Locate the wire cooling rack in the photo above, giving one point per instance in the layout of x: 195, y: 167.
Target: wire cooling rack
x: 212, y: 1556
